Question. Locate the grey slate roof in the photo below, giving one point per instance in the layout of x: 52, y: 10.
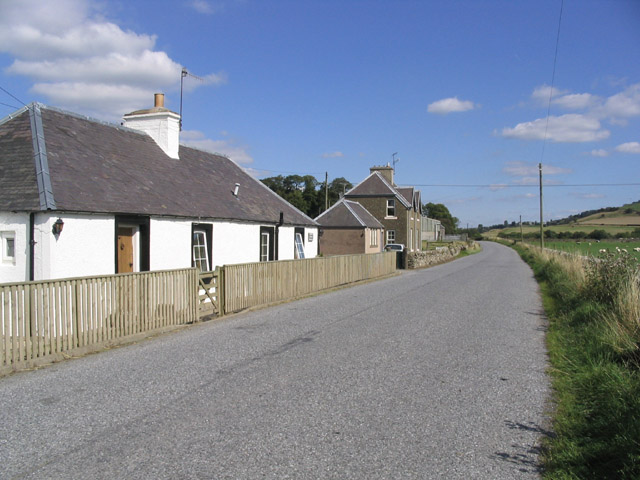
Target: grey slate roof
x: 348, y: 214
x: 375, y: 185
x: 102, y: 168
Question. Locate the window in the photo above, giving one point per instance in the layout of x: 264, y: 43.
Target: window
x: 264, y: 247
x: 201, y: 234
x: 391, y: 236
x: 374, y: 237
x: 299, y: 246
x: 411, y: 240
x: 8, y: 245
x: 268, y: 242
x: 391, y: 208
x: 200, y: 256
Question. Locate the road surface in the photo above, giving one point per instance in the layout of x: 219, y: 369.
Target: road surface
x: 435, y: 373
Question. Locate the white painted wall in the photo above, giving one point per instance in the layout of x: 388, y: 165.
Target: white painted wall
x: 16, y: 225
x: 235, y: 243
x: 84, y: 248
x: 170, y: 244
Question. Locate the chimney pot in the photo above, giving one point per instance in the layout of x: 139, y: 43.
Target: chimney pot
x: 158, y: 99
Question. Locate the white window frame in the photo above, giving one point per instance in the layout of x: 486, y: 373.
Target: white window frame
x: 391, y: 236
x: 264, y: 247
x: 391, y: 208
x: 299, y: 246
x: 7, y: 239
x: 374, y: 237
x: 197, y: 259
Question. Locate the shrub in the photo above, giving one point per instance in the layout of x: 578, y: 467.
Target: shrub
x: 607, y: 275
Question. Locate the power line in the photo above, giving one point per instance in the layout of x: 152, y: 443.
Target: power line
x: 12, y: 96
x: 499, y: 186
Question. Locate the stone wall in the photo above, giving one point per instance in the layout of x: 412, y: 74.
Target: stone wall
x: 439, y: 255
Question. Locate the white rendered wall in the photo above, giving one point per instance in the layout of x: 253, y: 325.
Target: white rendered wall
x: 17, y: 225
x: 286, y: 243
x: 235, y: 243
x: 170, y: 244
x: 86, y: 246
x: 311, y: 246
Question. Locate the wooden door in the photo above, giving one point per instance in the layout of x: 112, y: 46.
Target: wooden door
x: 125, y: 250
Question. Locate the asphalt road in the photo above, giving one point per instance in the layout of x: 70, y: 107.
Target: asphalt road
x: 436, y: 373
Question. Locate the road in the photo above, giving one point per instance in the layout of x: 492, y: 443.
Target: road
x: 435, y: 373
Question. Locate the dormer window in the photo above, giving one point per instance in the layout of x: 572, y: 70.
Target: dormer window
x: 391, y: 208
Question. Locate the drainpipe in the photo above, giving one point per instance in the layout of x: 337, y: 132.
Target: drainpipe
x: 32, y: 244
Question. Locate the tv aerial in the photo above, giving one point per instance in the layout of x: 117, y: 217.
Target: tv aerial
x: 183, y: 74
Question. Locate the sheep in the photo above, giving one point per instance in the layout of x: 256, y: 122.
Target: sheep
x: 602, y: 250
x: 637, y: 249
x: 623, y: 250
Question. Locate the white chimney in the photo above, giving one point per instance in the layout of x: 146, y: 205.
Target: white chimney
x: 159, y: 123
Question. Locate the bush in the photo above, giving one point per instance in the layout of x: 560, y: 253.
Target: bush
x: 607, y: 276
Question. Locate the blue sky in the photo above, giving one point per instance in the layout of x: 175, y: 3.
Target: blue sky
x: 459, y: 89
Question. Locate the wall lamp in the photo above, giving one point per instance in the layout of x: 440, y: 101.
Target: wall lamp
x: 58, y: 225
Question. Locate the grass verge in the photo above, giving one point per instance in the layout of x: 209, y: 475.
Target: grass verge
x: 593, y: 342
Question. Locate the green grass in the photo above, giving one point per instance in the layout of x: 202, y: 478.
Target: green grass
x: 596, y: 415
x: 590, y: 247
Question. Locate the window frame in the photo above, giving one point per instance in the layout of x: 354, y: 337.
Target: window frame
x: 207, y: 230
x: 389, y: 234
x: 7, y: 238
x: 391, y: 208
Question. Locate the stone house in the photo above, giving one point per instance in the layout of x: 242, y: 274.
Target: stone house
x: 398, y: 209
x: 348, y: 228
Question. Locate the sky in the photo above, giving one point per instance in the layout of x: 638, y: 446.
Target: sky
x: 470, y: 95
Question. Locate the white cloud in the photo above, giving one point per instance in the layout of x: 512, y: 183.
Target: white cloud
x: 576, y: 101
x: 598, y: 153
x: 207, y: 8
x: 228, y: 148
x: 530, y: 171
x: 623, y: 105
x: 450, y: 105
x: 571, y: 127
x: 333, y: 155
x: 629, y: 147
x: 541, y: 94
x: 81, y: 62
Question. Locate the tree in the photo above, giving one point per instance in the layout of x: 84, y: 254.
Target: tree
x: 439, y: 212
x: 306, y: 193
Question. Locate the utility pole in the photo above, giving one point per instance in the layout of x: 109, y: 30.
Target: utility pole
x: 541, y: 231
x: 521, y: 236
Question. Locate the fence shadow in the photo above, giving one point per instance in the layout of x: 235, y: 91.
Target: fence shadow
x: 525, y: 456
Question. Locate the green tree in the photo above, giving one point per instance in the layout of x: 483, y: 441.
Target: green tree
x: 440, y: 212
x: 306, y: 193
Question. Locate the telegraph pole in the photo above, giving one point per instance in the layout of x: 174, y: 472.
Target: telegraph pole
x: 541, y: 231
x: 521, y: 236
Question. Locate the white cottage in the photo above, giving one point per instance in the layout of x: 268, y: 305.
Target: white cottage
x: 81, y: 197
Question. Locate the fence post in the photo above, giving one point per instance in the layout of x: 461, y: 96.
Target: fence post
x: 221, y: 290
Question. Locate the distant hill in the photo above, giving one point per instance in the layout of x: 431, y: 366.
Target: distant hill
x: 627, y: 215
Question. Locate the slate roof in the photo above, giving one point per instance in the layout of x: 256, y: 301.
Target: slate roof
x: 348, y: 214
x: 102, y: 168
x: 375, y: 185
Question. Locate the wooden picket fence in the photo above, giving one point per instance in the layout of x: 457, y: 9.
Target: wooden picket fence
x: 48, y: 320
x: 45, y: 321
x: 253, y: 284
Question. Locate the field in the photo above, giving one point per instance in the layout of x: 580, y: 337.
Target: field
x: 612, y: 230
x: 591, y: 247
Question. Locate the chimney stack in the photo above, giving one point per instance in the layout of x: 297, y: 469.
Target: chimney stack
x: 385, y: 171
x: 159, y: 123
